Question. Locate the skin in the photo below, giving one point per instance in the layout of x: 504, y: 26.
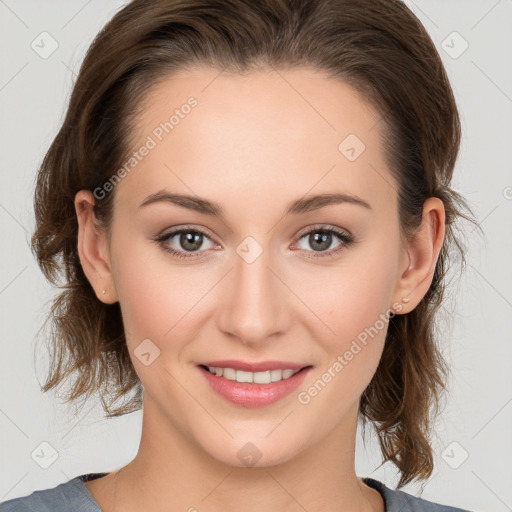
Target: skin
x: 253, y: 144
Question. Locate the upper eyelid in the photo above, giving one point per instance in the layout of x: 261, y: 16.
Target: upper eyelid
x: 317, y: 227
x: 324, y: 227
x: 175, y: 231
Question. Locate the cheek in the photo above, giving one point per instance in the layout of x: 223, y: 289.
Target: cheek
x: 352, y: 354
x: 158, y: 299
x: 357, y: 308
x: 357, y: 298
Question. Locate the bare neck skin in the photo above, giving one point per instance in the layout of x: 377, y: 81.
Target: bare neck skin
x: 171, y: 473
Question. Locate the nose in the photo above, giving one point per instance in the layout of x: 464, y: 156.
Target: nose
x: 255, y: 302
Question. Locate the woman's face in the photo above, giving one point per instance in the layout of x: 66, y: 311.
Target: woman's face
x: 258, y: 278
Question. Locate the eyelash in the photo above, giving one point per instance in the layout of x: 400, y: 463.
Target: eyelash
x: 345, y: 238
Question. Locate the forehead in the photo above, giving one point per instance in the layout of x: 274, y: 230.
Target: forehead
x: 219, y: 135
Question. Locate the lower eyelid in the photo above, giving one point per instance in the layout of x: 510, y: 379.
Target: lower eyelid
x: 165, y: 239
x: 344, y: 238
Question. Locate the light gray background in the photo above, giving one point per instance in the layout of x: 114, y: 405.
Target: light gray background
x: 477, y: 419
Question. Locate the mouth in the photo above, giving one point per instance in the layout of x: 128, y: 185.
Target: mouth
x: 242, y: 376
x: 253, y: 384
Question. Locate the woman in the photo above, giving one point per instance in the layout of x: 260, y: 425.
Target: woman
x: 251, y: 205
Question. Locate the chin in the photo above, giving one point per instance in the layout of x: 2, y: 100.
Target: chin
x: 252, y: 453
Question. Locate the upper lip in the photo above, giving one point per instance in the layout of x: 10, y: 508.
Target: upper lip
x: 261, y: 366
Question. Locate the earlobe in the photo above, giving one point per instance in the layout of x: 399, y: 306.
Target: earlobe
x: 92, y: 249
x: 423, y: 251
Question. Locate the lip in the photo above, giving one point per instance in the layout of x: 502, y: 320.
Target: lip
x: 262, y: 366
x: 250, y: 394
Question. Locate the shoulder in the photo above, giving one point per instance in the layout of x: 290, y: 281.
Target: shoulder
x: 66, y: 497
x: 399, y: 501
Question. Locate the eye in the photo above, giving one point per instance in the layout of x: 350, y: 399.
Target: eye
x: 321, y: 238
x: 188, y: 240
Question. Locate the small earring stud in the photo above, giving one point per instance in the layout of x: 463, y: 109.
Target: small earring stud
x: 103, y: 292
x: 405, y: 299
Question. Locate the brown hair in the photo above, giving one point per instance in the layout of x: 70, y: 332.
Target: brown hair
x: 377, y: 46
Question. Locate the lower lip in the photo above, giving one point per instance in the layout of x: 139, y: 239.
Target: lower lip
x: 254, y: 395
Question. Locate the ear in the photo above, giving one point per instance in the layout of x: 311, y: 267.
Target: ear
x: 93, y: 248
x: 422, y: 252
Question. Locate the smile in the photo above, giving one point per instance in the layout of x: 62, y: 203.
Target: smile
x: 252, y: 377
x: 253, y: 384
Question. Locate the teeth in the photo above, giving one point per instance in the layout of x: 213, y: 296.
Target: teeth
x: 288, y: 373
x: 252, y: 377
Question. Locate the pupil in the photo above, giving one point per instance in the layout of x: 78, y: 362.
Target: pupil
x: 191, y: 241
x: 324, y: 239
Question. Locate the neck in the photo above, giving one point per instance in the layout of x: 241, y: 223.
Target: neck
x: 171, y: 472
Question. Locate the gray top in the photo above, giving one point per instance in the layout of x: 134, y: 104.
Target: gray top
x: 73, y: 496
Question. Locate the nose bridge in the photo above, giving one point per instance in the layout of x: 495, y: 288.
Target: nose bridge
x: 255, y: 307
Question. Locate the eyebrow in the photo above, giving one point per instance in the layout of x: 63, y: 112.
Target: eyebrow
x: 302, y: 205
